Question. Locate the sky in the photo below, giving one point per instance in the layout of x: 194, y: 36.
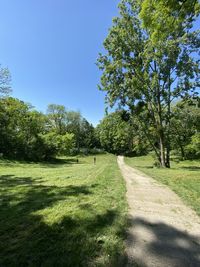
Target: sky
x: 50, y: 48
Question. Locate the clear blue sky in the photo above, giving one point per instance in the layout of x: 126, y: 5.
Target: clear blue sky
x: 50, y: 48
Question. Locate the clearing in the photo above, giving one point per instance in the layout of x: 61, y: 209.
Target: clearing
x: 163, y: 232
x: 62, y: 213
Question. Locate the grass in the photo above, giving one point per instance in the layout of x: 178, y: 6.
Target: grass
x: 183, y: 177
x: 62, y: 213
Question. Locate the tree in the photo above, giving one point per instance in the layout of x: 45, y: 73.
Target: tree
x: 115, y: 134
x: 63, y: 121
x: 56, y: 144
x: 87, y: 135
x: 141, y: 68
x: 161, y: 16
x: 5, y: 80
x: 20, y: 130
x: 74, y: 121
x: 57, y: 118
x: 193, y: 149
x: 184, y: 124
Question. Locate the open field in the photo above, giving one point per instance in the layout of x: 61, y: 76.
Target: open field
x: 183, y: 177
x: 62, y: 213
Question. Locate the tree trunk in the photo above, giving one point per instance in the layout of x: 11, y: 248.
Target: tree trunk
x: 161, y: 133
x: 168, y: 156
x: 162, y: 150
x: 182, y: 150
x: 168, y: 123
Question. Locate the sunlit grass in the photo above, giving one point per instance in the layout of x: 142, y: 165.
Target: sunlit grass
x: 183, y: 177
x: 62, y: 213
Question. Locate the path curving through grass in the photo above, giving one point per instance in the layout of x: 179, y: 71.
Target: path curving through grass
x: 163, y: 232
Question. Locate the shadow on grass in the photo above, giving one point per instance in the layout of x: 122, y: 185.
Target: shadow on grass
x: 191, y: 168
x: 166, y: 245
x: 55, y: 163
x: 52, y: 163
x: 26, y: 240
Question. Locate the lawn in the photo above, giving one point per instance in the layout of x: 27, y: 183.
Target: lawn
x: 183, y: 177
x: 62, y: 213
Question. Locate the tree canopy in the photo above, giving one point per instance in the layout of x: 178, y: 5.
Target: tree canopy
x: 150, y: 62
x: 5, y: 79
x: 28, y: 134
x: 115, y: 134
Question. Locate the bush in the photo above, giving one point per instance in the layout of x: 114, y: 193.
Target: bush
x: 192, y: 150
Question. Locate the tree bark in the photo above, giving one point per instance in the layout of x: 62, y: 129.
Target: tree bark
x: 168, y: 155
x: 168, y: 124
x: 182, y: 150
x: 162, y: 149
x: 161, y: 132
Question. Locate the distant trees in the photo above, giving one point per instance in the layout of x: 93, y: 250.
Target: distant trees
x: 5, y: 79
x: 65, y: 121
x: 20, y: 126
x: 123, y: 132
x: 56, y: 115
x: 24, y: 133
x: 88, y: 137
x: 185, y: 128
x: 115, y: 134
x: 56, y: 144
x: 150, y: 62
x: 28, y: 134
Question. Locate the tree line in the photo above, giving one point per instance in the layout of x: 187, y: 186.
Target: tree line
x: 151, y: 62
x: 28, y: 134
x: 150, y: 72
x: 122, y: 133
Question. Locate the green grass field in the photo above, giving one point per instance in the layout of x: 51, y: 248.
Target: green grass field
x: 62, y: 214
x: 183, y: 177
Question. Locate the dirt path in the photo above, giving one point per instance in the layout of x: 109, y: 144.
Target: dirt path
x: 163, y: 232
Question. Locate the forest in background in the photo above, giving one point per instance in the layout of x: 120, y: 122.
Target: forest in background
x: 32, y: 135
x: 150, y: 73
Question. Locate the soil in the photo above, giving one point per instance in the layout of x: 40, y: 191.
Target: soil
x: 163, y: 231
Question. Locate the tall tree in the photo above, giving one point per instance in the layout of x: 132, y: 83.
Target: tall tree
x: 115, y: 133
x: 5, y: 79
x: 25, y: 133
x: 57, y: 117
x: 143, y: 66
x: 184, y: 124
x: 74, y: 121
x: 87, y: 135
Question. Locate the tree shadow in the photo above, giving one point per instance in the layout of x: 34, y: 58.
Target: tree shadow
x: 51, y: 163
x: 191, y: 168
x: 27, y: 240
x: 55, y: 163
x: 165, y: 245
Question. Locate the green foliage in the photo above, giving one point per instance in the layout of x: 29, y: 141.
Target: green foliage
x: 185, y: 123
x: 19, y: 127
x: 28, y: 134
x: 57, y: 118
x: 115, y: 134
x: 62, y: 121
x: 153, y: 68
x: 88, y: 138
x: 163, y: 18
x: 5, y: 79
x: 57, y: 144
x: 193, y: 149
x: 25, y: 133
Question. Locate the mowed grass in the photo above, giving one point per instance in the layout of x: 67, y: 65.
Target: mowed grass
x: 62, y: 214
x: 183, y: 177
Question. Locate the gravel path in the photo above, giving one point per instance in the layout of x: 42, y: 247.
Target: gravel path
x: 163, y: 231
